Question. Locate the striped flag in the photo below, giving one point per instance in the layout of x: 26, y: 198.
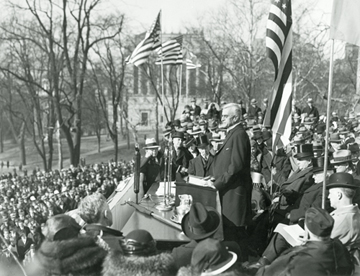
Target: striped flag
x: 150, y: 43
x: 171, y: 51
x: 279, y: 50
x: 191, y: 61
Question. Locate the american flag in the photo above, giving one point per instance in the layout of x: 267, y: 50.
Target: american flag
x: 279, y: 50
x: 191, y: 61
x: 150, y: 43
x: 171, y: 52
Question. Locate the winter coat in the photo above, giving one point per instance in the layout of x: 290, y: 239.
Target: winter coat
x: 157, y: 265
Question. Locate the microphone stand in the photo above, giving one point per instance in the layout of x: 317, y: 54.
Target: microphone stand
x: 164, y: 206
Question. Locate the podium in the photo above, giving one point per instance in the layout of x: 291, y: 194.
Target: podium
x: 205, y: 195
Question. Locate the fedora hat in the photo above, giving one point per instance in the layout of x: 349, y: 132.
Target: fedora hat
x: 302, y: 130
x: 257, y: 135
x: 317, y: 145
x: 354, y: 147
x: 178, y: 134
x: 335, y: 138
x: 298, y: 139
x: 308, y: 121
x: 320, y: 128
x: 253, y: 101
x: 195, y: 130
x: 266, y: 134
x: 342, y: 180
x: 341, y: 156
x: 202, y: 122
x: 200, y: 222
x: 216, y: 137
x: 296, y: 116
x: 304, y: 151
x: 202, y: 141
x: 150, y: 143
x: 61, y: 227
x: 211, y: 257
x: 318, y: 164
x: 167, y: 130
x: 343, y: 130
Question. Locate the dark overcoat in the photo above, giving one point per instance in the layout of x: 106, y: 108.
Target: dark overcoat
x: 232, y: 176
x: 200, y: 168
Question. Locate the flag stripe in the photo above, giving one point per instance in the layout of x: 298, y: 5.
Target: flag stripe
x: 150, y: 43
x: 279, y: 50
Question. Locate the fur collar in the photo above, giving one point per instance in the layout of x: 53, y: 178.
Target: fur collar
x: 117, y: 264
x: 79, y: 256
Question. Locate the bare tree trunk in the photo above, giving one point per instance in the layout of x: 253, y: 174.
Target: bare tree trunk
x: 357, y: 108
x: 98, y: 136
x: 1, y: 134
x: 60, y: 156
x: 21, y: 144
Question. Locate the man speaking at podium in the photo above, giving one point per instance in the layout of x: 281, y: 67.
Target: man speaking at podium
x: 232, y: 176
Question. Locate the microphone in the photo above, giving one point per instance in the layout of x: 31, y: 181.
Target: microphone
x: 137, y: 169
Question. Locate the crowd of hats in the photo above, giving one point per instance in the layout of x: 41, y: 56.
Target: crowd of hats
x: 27, y: 200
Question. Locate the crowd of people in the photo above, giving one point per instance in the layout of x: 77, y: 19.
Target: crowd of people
x: 263, y: 193
x: 27, y: 200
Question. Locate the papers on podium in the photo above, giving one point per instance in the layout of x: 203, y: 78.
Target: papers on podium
x: 196, y: 180
x: 291, y: 233
x: 160, y: 191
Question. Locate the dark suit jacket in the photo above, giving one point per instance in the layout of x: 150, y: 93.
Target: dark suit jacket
x: 232, y: 176
x: 295, y: 186
x: 199, y: 168
x: 312, y: 197
x: 253, y: 111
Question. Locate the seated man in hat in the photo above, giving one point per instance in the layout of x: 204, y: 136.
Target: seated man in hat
x: 342, y: 188
x: 319, y: 255
x: 293, y: 188
x: 95, y: 211
x: 138, y: 256
x: 202, y: 164
x: 312, y: 198
x: 150, y: 165
x: 198, y: 224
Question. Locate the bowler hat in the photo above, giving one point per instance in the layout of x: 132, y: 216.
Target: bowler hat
x: 138, y: 243
x: 305, y: 151
x: 202, y: 141
x: 319, y: 222
x: 200, y: 222
x: 211, y: 257
x: 342, y: 180
x: 318, y: 164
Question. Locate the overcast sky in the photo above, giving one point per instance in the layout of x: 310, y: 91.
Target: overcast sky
x: 178, y: 13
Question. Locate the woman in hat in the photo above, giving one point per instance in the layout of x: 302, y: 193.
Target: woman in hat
x: 64, y: 252
x: 202, y: 164
x: 139, y: 257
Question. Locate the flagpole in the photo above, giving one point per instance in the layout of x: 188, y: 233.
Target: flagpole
x: 162, y: 67
x: 180, y: 86
x: 326, y: 157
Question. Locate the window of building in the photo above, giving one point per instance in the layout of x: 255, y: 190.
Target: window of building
x: 144, y: 118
